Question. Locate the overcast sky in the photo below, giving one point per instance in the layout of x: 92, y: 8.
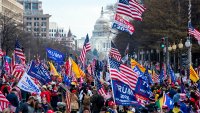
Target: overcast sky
x: 78, y: 15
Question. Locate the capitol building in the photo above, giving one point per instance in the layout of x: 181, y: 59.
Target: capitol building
x: 102, y: 36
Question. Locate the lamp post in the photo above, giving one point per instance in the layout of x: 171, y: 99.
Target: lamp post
x: 158, y: 54
x: 180, y: 46
x: 169, y: 49
x: 174, y: 49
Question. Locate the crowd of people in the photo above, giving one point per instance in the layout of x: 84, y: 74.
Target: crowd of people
x: 85, y: 97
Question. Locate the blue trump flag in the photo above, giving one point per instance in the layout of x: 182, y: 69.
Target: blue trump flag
x: 149, y: 78
x: 67, y: 80
x: 39, y: 72
x: 161, y: 77
x: 123, y: 94
x: 55, y: 55
x: 172, y: 75
x: 143, y: 88
x: 140, y: 73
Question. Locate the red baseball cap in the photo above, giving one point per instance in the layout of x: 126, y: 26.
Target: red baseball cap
x: 111, y: 103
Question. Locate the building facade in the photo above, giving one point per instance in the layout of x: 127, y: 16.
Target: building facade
x: 101, y: 36
x: 35, y: 21
x: 12, y: 9
x: 56, y: 32
x: 69, y: 41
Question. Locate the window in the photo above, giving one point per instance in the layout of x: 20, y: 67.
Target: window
x: 35, y: 6
x: 28, y: 18
x: 43, y: 34
x: 36, y: 18
x: 27, y: 6
x: 29, y: 24
x: 43, y: 24
x: 43, y: 29
x: 54, y: 30
x: 36, y: 29
x: 44, y: 18
x: 36, y: 24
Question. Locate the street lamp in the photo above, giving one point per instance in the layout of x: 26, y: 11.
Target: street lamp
x: 174, y: 46
x: 180, y: 45
x: 187, y: 43
x: 170, y: 48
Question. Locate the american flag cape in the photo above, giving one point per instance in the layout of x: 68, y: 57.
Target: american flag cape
x: 68, y: 101
x: 3, y: 102
x: 123, y: 73
x: 86, y: 48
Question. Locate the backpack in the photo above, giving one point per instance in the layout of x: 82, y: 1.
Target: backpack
x: 86, y: 100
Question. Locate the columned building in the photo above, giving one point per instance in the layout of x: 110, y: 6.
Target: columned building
x: 56, y: 32
x: 12, y: 9
x: 101, y: 36
x: 34, y: 19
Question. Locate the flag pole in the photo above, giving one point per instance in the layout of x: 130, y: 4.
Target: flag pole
x: 111, y: 81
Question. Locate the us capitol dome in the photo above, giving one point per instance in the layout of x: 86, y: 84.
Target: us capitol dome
x: 101, y: 40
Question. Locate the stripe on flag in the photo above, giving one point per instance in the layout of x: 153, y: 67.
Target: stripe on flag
x: 130, y: 8
x: 123, y: 73
x: 114, y: 53
x: 68, y: 101
x: 86, y: 48
x: 3, y: 102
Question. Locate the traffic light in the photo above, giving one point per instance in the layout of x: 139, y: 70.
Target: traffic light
x: 162, y: 45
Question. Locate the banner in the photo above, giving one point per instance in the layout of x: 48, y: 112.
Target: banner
x: 135, y: 63
x: 55, y: 55
x: 39, y: 72
x: 143, y: 88
x: 27, y: 84
x: 193, y: 75
x: 123, y: 94
x: 123, y: 25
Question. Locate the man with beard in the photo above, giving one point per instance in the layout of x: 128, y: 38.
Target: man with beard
x: 28, y: 107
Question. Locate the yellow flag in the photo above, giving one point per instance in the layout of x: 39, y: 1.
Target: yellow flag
x: 135, y: 63
x: 76, y: 69
x: 193, y: 75
x: 54, y: 71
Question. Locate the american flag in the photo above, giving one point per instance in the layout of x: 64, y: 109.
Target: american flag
x: 68, y: 101
x: 123, y: 73
x: 17, y: 68
x: 100, y: 88
x: 3, y: 102
x: 114, y: 53
x: 155, y: 77
x: 19, y: 52
x: 194, y: 32
x: 197, y: 93
x: 130, y: 8
x: 86, y: 47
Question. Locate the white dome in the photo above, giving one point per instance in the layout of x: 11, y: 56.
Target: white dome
x: 102, y: 19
